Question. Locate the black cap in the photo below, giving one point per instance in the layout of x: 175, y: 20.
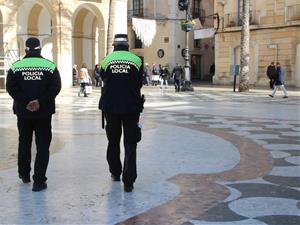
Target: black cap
x: 120, y: 40
x: 32, y: 44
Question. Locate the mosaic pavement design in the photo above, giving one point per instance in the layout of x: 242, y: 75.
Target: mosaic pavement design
x: 263, y: 188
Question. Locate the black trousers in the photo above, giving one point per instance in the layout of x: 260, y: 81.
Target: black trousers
x: 43, y: 135
x: 177, y: 85
x: 272, y: 82
x: 132, y: 135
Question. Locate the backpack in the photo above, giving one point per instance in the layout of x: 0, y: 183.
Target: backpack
x: 81, y: 74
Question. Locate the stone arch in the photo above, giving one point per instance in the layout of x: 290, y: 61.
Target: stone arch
x: 47, y: 50
x: 88, y: 35
x: 32, y: 23
x: 37, y: 19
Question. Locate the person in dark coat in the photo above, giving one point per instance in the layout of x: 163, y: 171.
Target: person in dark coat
x: 272, y: 74
x: 96, y: 75
x: 164, y: 76
x: 279, y: 81
x: 33, y: 83
x: 121, y: 101
x: 177, y: 74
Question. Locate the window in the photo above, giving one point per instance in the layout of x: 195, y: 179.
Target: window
x: 137, y: 6
x: 196, y: 8
x: 137, y: 42
x: 197, y: 44
x: 197, y: 11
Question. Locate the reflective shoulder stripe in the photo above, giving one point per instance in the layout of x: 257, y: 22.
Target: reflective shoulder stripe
x: 33, y: 64
x: 122, y: 56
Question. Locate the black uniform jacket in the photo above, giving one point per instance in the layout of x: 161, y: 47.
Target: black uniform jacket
x: 33, y: 78
x: 122, y: 74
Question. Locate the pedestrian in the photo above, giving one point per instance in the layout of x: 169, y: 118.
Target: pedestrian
x: 96, y: 75
x: 212, y: 70
x: 84, y: 80
x: 75, y: 75
x: 177, y: 74
x: 122, y: 103
x: 33, y: 83
x: 164, y: 76
x: 147, y: 74
x: 279, y: 81
x: 272, y: 74
x: 155, y: 69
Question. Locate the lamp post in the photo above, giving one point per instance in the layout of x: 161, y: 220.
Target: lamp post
x: 183, y: 5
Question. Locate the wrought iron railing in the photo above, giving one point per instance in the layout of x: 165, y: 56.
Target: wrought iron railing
x: 7, y: 57
x: 136, y: 13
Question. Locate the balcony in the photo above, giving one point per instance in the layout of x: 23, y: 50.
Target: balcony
x: 135, y: 13
x: 234, y: 19
x: 293, y: 13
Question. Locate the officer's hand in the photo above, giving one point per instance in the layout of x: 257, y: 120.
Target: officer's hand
x: 33, y: 106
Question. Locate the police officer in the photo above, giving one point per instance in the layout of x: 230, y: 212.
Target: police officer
x: 121, y: 101
x: 33, y: 83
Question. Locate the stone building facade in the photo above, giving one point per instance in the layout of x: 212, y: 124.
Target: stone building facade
x: 170, y: 38
x: 71, y: 31
x: 76, y: 32
x: 274, y: 36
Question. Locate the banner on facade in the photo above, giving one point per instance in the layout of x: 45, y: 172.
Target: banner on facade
x: 145, y: 30
x: 204, y: 33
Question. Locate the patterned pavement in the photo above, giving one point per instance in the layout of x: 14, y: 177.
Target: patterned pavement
x: 234, y: 158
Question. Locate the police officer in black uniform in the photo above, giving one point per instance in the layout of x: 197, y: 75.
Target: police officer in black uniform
x: 121, y: 102
x: 33, y: 83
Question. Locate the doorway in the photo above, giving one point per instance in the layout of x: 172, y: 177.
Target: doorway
x: 196, y: 68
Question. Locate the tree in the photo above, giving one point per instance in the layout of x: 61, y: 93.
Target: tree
x: 245, y: 37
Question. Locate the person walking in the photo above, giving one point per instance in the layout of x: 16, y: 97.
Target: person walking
x: 279, y: 81
x: 272, y: 74
x: 164, y: 76
x: 121, y: 101
x: 155, y: 69
x: 96, y: 75
x: 147, y: 74
x: 84, y: 80
x: 177, y: 74
x: 33, y: 83
x: 75, y: 75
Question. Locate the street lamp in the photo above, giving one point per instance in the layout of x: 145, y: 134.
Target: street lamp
x: 183, y: 5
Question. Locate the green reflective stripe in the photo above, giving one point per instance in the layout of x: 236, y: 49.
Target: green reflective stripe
x: 122, y: 56
x: 34, y: 63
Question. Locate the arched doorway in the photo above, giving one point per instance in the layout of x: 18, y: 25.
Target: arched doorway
x: 88, y: 36
x: 34, y: 19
